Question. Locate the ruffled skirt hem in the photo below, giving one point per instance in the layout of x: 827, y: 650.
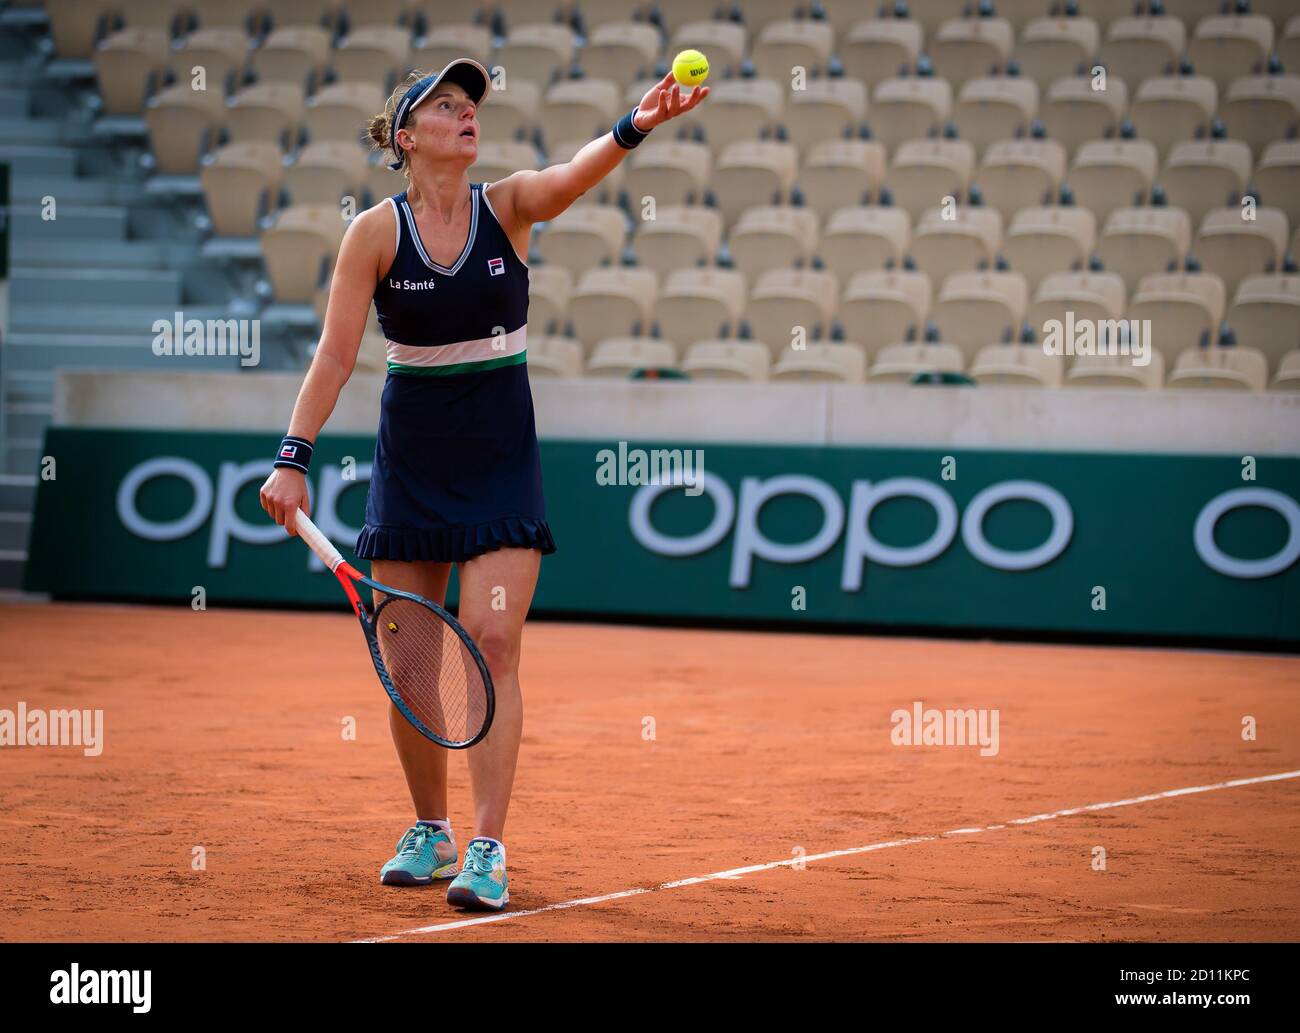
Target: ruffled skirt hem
x: 454, y: 544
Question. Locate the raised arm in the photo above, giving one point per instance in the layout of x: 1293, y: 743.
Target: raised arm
x: 537, y: 196
x: 351, y: 290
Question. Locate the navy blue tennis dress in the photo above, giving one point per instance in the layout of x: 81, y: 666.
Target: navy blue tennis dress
x: 457, y: 469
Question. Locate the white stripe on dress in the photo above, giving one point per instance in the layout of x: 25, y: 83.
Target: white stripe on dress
x: 483, y: 349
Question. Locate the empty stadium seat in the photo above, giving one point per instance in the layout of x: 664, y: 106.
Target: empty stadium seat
x: 373, y: 54
x: 728, y: 360
x: 221, y: 53
x: 1116, y: 371
x: 578, y: 109
x: 1184, y: 309
x: 1262, y: 108
x: 996, y: 108
x: 549, y: 290
x: 908, y: 108
x: 738, y: 110
x: 268, y: 112
x: 881, y: 307
x: 510, y: 111
x: 443, y: 44
x: 1205, y: 174
x: 325, y: 172
x: 839, y: 363
x: 1287, y: 377
x: 127, y: 64
x: 1052, y: 47
x: 342, y: 111
x: 924, y: 172
x: 1017, y: 365
x: 1277, y: 178
x: 783, y: 45
x: 772, y: 237
x: 623, y: 356
x: 877, y: 49
x: 753, y: 172
x: 969, y: 240
x: 823, y: 110
x: 901, y: 363
x: 1089, y: 295
x: 1110, y: 174
x: 786, y: 299
x: 967, y: 48
x: 978, y: 308
x: 1169, y: 109
x: 1228, y: 47
x: 1235, y: 247
x: 1041, y: 241
x: 583, y: 237
x: 679, y: 236
x: 241, y: 184
x: 673, y: 172
x: 841, y: 174
x: 550, y: 355
x: 1137, y: 241
x: 535, y: 53
x: 183, y: 125
x: 299, y: 250
x: 1265, y: 314
x: 700, y: 303
x: 859, y: 238
x: 1139, y: 47
x: 611, y: 301
x: 1016, y: 173
x: 1232, y: 369
x: 620, y: 51
x: 1075, y: 113
x: 296, y: 54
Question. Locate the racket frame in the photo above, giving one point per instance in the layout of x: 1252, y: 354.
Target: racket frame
x: 349, y: 577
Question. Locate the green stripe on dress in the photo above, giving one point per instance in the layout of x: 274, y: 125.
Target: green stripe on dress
x: 460, y: 367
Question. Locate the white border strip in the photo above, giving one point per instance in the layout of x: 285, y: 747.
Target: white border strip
x: 735, y: 873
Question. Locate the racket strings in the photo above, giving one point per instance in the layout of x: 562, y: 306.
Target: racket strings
x: 431, y: 669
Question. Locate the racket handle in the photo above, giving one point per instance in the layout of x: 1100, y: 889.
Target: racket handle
x: 315, y: 537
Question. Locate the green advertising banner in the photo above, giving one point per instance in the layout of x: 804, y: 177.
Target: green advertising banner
x: 1196, y: 546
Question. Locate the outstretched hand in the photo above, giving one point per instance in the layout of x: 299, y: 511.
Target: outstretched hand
x: 664, y: 101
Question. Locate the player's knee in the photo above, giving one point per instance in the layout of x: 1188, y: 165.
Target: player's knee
x: 500, y: 650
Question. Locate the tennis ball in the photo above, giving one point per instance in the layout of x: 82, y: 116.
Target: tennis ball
x: 690, y: 68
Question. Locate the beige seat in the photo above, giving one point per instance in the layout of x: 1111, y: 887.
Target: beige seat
x: 1287, y: 377
x: 1261, y: 109
x: 1116, y: 371
x: 678, y: 237
x: 753, y: 172
x: 127, y: 64
x: 1228, y: 47
x: 620, y: 51
x: 1169, y: 109
x: 183, y: 125
x: 223, y: 14
x: 700, y: 303
x: 1107, y: 12
x: 497, y: 159
x: 969, y: 240
x: 1021, y: 13
x: 909, y: 108
x: 992, y: 109
x: 932, y: 14
x: 552, y: 356
x: 536, y: 53
x: 967, y: 48
x: 1235, y: 247
x: 1265, y: 314
x: 221, y: 53
x: 299, y: 250
x: 1110, y: 174
x: 1017, y: 365
x: 1089, y: 295
x: 738, y: 110
x: 1052, y: 47
x: 1137, y: 48
x: 1231, y: 369
x: 76, y: 24
x: 1137, y: 241
x: 623, y: 356
x: 1192, y: 11
x: 296, y: 54
x: 823, y: 109
x: 1204, y: 174
x: 510, y: 111
x: 976, y: 308
x: 583, y: 237
x: 292, y: 13
x: 241, y: 183
x: 342, y: 111
x: 725, y: 42
x: 326, y: 172
x: 549, y: 290
x: 1020, y: 173
x: 381, y: 181
x: 271, y: 112
x: 859, y: 238
x: 1288, y: 46
x: 443, y: 44
x: 772, y: 237
x: 924, y: 172
x: 876, y: 49
x: 839, y: 363
x: 579, y: 108
x: 787, y: 304
x: 384, y: 13
x: 1185, y: 309
x: 880, y: 307
x: 1277, y: 178
x: 782, y: 45
x: 841, y: 174
x: 901, y: 363
x: 1075, y: 113
x: 673, y: 172
x: 612, y: 301
x: 728, y: 360
x: 373, y: 54
x: 1049, y: 240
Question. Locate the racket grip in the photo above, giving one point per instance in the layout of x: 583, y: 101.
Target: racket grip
x: 315, y: 537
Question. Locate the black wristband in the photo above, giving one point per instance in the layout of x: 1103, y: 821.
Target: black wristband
x: 294, y: 453
x: 626, y: 134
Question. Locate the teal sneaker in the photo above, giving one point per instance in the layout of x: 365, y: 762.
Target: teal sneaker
x: 481, y: 884
x: 424, y: 853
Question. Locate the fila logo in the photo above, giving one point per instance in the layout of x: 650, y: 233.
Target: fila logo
x: 496, y: 266
x: 288, y: 452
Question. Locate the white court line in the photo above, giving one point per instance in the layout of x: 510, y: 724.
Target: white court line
x: 736, y: 873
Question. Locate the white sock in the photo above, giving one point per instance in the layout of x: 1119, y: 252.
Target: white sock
x: 441, y: 823
x: 499, y: 845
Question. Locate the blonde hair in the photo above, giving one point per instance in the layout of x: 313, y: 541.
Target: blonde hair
x: 381, y: 124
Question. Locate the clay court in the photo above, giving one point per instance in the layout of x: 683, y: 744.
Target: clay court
x: 769, y: 751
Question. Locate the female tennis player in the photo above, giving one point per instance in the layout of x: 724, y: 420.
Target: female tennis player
x: 457, y: 475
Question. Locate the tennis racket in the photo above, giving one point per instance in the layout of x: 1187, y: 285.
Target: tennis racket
x: 426, y: 661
